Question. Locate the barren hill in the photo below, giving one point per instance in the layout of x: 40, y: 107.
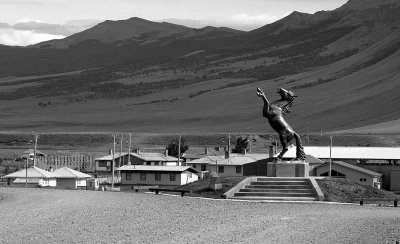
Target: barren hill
x: 344, y: 65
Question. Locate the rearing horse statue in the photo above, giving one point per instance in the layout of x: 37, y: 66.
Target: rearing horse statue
x: 274, y: 112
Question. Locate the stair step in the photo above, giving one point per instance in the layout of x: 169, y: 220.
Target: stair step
x: 279, y: 183
x: 282, y: 179
x: 276, y: 198
x: 274, y: 194
x: 279, y: 186
x: 276, y: 190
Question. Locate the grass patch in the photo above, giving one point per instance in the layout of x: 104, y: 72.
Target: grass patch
x: 200, y: 187
x: 344, y: 190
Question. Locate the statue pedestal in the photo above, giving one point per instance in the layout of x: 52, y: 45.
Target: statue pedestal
x: 288, y: 169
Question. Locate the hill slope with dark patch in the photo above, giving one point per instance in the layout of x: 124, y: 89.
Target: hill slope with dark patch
x: 342, y: 64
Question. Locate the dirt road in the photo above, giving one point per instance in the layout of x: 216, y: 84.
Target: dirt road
x: 57, y: 216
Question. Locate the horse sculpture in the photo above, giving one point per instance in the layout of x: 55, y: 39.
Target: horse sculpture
x: 274, y: 112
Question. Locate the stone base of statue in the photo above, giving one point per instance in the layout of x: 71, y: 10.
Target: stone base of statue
x: 288, y: 169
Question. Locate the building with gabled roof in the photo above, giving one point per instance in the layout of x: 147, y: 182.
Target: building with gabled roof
x: 157, y: 175
x: 37, y: 177
x: 71, y: 179
x: 233, y: 164
x: 139, y: 158
x: 349, y: 171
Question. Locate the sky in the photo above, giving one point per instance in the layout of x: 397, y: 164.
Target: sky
x: 25, y: 22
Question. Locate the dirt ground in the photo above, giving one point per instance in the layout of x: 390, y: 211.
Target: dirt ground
x: 57, y: 216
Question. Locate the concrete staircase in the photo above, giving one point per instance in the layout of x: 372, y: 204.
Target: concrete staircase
x: 274, y: 188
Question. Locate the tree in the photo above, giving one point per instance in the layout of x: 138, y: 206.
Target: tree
x: 241, y: 144
x: 173, y: 146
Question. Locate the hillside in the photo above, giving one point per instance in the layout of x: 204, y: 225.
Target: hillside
x: 143, y: 76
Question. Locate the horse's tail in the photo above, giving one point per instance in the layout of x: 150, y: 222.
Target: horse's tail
x: 300, y: 155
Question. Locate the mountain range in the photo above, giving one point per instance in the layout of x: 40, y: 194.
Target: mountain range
x: 144, y: 76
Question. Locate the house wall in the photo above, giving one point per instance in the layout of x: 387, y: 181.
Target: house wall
x: 66, y: 183
x: 103, y: 169
x: 229, y: 170
x: 81, y: 182
x: 150, y: 179
x: 385, y: 170
x: 395, y: 180
x: 92, y: 184
x: 258, y: 168
x: 351, y: 174
x: 188, y: 177
x: 23, y: 185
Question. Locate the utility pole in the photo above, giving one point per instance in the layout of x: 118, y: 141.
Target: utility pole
x: 120, y: 162
x: 179, y: 149
x: 112, y: 163
x: 36, y: 134
x: 26, y: 174
x: 308, y: 131
x: 330, y: 158
x: 129, y: 149
x: 229, y: 148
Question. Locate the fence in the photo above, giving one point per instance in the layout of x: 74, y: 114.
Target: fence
x: 83, y: 163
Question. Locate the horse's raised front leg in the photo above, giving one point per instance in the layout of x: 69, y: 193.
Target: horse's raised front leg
x: 261, y: 94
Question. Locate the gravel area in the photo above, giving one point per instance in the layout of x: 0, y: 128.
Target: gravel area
x: 56, y: 216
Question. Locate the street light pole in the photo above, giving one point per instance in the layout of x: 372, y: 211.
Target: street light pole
x: 179, y: 149
x: 36, y: 134
x: 129, y: 148
x: 330, y: 158
x: 26, y: 174
x: 112, y: 163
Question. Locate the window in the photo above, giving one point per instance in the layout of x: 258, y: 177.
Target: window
x: 158, y: 176
x: 172, y: 177
x: 128, y: 176
x: 142, y: 176
x: 203, y: 167
x: 148, y: 163
x: 220, y: 169
x: 103, y: 163
x: 194, y: 166
x: 156, y: 163
x: 363, y: 179
x: 238, y: 169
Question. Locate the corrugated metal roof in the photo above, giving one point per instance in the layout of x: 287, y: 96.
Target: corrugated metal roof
x: 207, y: 159
x: 352, y: 166
x: 157, y: 168
x: 33, y: 172
x: 66, y: 172
x: 373, y: 153
x: 144, y: 156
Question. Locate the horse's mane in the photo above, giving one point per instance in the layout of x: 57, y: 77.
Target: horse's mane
x: 285, y: 103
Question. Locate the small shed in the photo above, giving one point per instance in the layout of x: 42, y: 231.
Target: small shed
x: 349, y: 171
x: 71, y: 179
x: 36, y: 177
x: 157, y: 175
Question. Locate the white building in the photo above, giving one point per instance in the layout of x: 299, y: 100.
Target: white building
x: 233, y: 164
x: 35, y: 176
x: 157, y: 175
x: 104, y: 164
x: 71, y: 179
